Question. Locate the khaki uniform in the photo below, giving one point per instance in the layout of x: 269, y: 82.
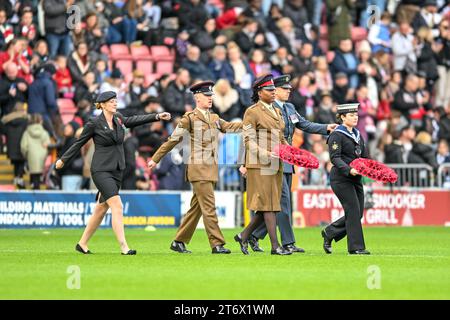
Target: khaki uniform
x: 263, y: 130
x: 202, y: 170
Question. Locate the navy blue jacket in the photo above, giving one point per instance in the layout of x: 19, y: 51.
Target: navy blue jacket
x: 42, y: 95
x: 292, y: 119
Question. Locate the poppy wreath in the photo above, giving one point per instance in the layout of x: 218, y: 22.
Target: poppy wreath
x: 297, y: 157
x: 374, y: 170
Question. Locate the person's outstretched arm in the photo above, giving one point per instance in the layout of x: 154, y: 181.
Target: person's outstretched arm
x: 135, y: 121
x: 88, y: 133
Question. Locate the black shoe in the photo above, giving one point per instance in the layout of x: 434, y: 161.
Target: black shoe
x: 281, y: 251
x: 326, y: 243
x: 243, y: 244
x: 220, y: 249
x: 179, y: 247
x: 292, y: 248
x: 80, y: 249
x: 130, y: 253
x: 253, y: 242
x: 359, y: 252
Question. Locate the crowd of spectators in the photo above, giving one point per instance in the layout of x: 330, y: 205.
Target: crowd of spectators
x: 393, y: 57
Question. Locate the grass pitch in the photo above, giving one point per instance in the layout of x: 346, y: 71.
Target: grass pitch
x: 406, y: 263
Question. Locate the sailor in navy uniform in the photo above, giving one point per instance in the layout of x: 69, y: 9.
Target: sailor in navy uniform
x: 292, y: 121
x: 346, y: 144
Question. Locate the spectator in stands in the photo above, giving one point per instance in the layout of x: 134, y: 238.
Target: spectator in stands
x: 137, y: 95
x: 122, y: 28
x: 117, y: 84
x: 158, y: 86
x: 258, y: 63
x: 288, y: 36
x: 250, y: 37
x: 6, y: 30
x: 207, y: 37
x: 130, y: 147
x: 33, y: 146
x: 326, y: 112
x: 101, y: 71
x: 72, y: 172
x: 322, y: 75
x: 379, y: 34
x: 303, y: 98
x: 398, y: 151
x: 427, y: 17
x: 368, y: 73
x: 14, y: 125
x: 150, y: 136
x: 63, y: 78
x: 254, y: 11
x: 26, y: 27
x: 13, y: 89
x: 197, y: 69
x: 57, y: 34
x: 403, y: 48
x: 84, y: 111
x: 226, y: 101
x: 15, y: 54
x: 282, y: 61
x: 170, y: 171
x: 296, y: 11
x: 242, y: 73
x: 218, y: 66
x: 79, y: 62
x: 426, y: 57
x: 174, y: 99
x: 422, y: 151
x: 42, y: 97
x: 443, y: 55
x: 152, y: 14
x: 304, y: 62
x: 94, y: 35
x: 345, y: 61
x: 341, y: 92
x: 366, y: 114
x: 192, y: 15
x: 88, y: 89
x: 338, y: 21
x: 444, y: 125
x: 40, y: 55
x: 406, y: 100
x: 443, y: 153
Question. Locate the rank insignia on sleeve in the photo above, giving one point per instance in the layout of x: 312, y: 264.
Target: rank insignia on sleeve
x: 335, y: 146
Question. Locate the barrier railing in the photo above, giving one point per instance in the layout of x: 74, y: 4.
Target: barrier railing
x: 409, y: 175
x: 443, y: 176
x: 414, y: 175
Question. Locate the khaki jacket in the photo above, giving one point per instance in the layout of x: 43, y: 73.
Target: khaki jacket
x: 263, y: 130
x: 203, y: 158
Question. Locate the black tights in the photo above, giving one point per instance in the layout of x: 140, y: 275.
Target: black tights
x: 270, y: 219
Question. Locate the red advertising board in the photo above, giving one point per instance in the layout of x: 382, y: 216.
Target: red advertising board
x: 398, y: 208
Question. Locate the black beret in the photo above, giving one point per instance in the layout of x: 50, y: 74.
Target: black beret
x: 205, y: 87
x: 264, y: 82
x: 283, y: 81
x: 105, y: 96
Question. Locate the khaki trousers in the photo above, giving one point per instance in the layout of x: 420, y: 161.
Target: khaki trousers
x: 202, y: 204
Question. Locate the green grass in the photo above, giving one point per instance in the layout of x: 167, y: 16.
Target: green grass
x: 414, y: 264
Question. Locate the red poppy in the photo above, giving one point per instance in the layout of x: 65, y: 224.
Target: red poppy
x: 374, y: 170
x: 297, y: 157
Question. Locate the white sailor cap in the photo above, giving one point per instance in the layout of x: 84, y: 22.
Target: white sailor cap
x: 347, y: 108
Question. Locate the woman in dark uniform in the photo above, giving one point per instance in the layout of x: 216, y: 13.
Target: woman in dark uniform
x: 263, y: 128
x: 346, y: 144
x: 108, y: 163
